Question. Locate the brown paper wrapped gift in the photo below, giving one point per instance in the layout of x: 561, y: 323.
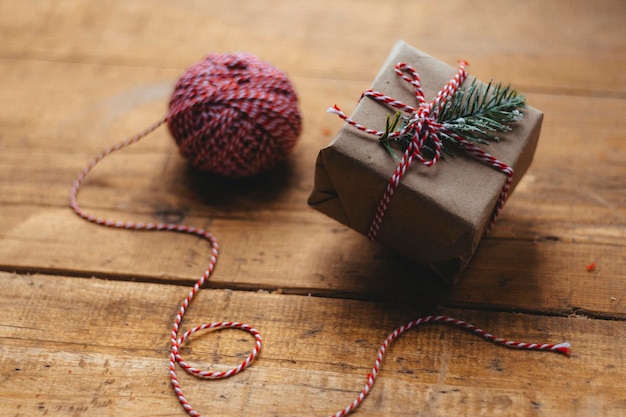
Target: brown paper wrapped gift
x: 438, y: 214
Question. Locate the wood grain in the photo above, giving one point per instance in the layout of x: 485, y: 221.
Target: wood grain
x: 87, y: 311
x: 105, y: 358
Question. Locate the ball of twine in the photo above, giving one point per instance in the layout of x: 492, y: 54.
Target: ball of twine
x: 234, y: 115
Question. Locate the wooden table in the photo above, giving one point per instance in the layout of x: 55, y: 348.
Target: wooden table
x: 87, y: 311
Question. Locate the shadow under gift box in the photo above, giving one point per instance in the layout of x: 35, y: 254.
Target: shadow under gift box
x: 437, y: 214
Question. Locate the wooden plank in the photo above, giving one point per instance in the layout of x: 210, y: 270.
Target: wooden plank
x: 156, y: 175
x: 74, y: 346
x: 508, y: 274
x: 326, y: 39
x: 69, y: 133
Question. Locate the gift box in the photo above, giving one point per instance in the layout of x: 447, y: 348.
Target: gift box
x: 437, y: 214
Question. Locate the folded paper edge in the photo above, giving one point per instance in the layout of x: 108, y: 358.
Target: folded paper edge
x: 324, y: 196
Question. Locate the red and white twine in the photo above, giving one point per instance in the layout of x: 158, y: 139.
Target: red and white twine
x: 423, y: 125
x: 178, y: 340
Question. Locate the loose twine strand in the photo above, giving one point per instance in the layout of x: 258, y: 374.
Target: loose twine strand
x: 423, y: 125
x: 177, y: 341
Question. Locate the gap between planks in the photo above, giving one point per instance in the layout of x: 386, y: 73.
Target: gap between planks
x: 432, y: 303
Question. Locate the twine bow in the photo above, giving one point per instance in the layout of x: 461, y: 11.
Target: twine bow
x: 423, y: 126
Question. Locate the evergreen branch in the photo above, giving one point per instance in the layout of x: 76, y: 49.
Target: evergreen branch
x: 390, y: 127
x: 475, y: 113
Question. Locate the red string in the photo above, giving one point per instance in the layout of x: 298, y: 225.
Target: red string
x: 177, y: 341
x: 422, y: 126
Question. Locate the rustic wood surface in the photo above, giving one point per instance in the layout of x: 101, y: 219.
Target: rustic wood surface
x: 87, y: 311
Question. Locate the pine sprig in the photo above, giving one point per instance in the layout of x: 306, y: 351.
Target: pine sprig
x: 476, y: 113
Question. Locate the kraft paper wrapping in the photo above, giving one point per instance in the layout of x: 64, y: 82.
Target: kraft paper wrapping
x: 437, y: 215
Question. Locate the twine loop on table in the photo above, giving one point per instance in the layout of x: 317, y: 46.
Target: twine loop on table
x: 177, y: 341
x: 423, y: 127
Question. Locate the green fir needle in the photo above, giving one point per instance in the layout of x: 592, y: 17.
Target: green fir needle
x: 476, y: 113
